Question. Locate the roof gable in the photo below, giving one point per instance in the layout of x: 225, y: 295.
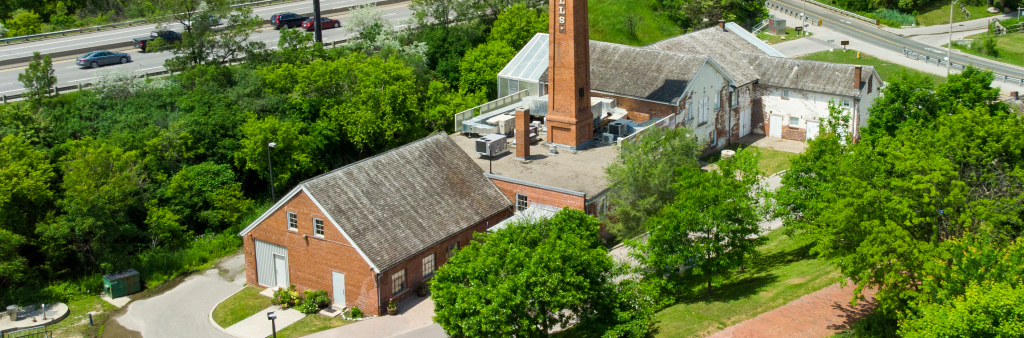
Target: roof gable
x: 725, y: 47
x: 813, y: 76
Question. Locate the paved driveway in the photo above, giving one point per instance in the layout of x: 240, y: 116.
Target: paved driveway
x: 184, y: 310
x: 413, y: 320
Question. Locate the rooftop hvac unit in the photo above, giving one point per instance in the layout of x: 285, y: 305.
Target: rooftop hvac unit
x: 491, y: 145
x: 619, y: 128
x: 607, y: 138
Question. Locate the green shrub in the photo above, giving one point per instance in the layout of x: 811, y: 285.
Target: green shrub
x: 894, y: 18
x: 286, y: 297
x: 314, y: 301
x: 985, y: 45
x: 355, y: 312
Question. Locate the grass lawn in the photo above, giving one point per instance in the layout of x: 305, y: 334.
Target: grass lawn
x: 240, y: 306
x: 1010, y: 48
x: 77, y: 322
x: 937, y: 13
x: 609, y: 22
x: 771, y: 161
x: 784, y: 271
x: 773, y: 39
x: 885, y: 68
x: 311, y: 324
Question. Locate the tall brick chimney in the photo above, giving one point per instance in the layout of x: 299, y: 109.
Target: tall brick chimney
x: 522, y: 133
x: 570, y: 120
x: 721, y: 25
x: 856, y: 77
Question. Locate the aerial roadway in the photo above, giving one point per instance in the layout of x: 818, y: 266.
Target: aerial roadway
x: 871, y: 34
x: 68, y: 73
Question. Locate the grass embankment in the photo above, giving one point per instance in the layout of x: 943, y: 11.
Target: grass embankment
x: 937, y: 13
x: 1009, y: 48
x: 772, y: 39
x: 610, y: 22
x: 311, y: 324
x: 784, y: 271
x: 77, y: 322
x: 240, y: 306
x: 884, y: 68
x: 771, y: 161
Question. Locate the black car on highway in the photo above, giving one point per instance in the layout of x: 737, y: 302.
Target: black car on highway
x: 169, y: 36
x: 291, y: 20
x: 100, y: 58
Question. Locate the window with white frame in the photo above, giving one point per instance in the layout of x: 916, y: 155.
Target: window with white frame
x: 428, y: 266
x: 398, y: 282
x: 734, y: 98
x: 689, y: 112
x: 704, y: 105
x: 318, y: 227
x: 522, y: 202
x: 846, y: 103
x: 785, y: 93
x: 713, y: 138
x: 452, y: 248
x: 293, y: 221
x: 794, y: 121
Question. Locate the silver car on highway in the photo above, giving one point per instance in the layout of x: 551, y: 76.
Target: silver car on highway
x: 100, y: 58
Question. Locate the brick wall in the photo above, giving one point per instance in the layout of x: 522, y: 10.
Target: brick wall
x: 640, y: 110
x: 414, y: 265
x: 311, y: 260
x: 796, y: 134
x: 540, y: 196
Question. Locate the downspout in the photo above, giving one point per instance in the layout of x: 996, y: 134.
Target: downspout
x: 378, y: 294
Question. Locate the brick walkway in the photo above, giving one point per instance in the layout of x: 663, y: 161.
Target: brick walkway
x: 820, y: 314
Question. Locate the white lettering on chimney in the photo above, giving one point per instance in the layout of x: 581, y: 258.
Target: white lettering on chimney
x: 561, y: 16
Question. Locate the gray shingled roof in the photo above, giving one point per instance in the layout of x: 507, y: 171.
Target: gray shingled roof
x: 399, y: 203
x: 640, y: 72
x: 725, y: 48
x: 816, y: 76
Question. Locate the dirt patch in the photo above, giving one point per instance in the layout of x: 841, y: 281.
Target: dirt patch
x: 232, y: 267
x: 113, y: 329
x: 795, y: 281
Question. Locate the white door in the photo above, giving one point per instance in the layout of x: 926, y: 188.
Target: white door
x: 281, y: 271
x: 339, y: 288
x: 812, y: 129
x: 744, y: 123
x: 775, y: 126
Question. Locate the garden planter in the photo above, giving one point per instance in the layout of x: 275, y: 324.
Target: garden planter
x: 392, y: 311
x: 421, y: 291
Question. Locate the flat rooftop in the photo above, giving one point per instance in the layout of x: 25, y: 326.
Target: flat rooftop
x: 582, y: 171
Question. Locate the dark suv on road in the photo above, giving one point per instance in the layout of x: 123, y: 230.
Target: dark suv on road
x: 291, y: 20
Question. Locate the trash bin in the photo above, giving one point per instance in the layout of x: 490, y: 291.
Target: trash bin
x: 12, y: 312
x: 121, y: 283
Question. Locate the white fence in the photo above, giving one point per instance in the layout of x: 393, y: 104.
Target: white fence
x: 486, y: 108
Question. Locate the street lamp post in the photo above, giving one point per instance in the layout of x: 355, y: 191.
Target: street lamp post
x: 273, y: 325
x: 949, y: 47
x: 803, y: 14
x: 270, y: 165
x: 318, y: 35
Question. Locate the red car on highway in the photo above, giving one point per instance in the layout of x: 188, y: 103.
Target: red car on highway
x: 325, y: 23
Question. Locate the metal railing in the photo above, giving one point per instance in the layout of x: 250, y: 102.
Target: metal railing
x: 671, y: 121
x: 830, y: 8
x: 57, y: 89
x: 941, y: 62
x: 32, y: 332
x: 759, y: 27
x: 114, y: 25
x: 487, y: 107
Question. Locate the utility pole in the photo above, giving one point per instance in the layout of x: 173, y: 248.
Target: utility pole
x: 949, y: 47
x: 318, y: 35
x: 803, y: 15
x: 270, y: 165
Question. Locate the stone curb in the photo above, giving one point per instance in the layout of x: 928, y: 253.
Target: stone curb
x: 215, y: 308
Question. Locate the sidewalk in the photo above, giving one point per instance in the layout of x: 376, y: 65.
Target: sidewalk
x: 414, y: 319
x: 944, y: 29
x: 258, y: 326
x: 820, y: 314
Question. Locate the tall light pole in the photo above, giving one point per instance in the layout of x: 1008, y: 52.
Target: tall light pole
x: 318, y: 35
x: 270, y: 165
x: 803, y: 14
x: 949, y: 47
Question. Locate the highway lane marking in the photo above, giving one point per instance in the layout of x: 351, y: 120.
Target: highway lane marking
x: 904, y: 46
x: 72, y: 81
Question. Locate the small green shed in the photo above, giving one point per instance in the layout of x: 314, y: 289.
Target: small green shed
x: 121, y: 283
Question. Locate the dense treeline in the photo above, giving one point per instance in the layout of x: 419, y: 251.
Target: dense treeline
x: 160, y: 174
x: 928, y: 207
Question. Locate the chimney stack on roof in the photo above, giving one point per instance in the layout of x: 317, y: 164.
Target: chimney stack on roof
x: 856, y: 77
x: 522, y: 133
x: 721, y: 24
x: 1014, y: 95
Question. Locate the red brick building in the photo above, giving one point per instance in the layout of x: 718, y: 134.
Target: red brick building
x: 375, y: 229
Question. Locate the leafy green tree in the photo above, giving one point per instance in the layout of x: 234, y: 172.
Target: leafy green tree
x: 987, y: 309
x: 518, y: 24
x: 18, y: 119
x: 38, y: 78
x: 24, y: 22
x: 524, y: 280
x: 202, y: 44
x: 480, y: 67
x: 102, y: 186
x: 163, y: 226
x: 294, y: 156
x: 446, y: 45
x: 691, y: 13
x: 970, y: 89
x: 442, y: 102
x: 908, y: 96
x: 641, y: 179
x: 712, y: 225
x: 60, y: 19
x: 12, y: 265
x: 205, y: 197
x: 25, y: 193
